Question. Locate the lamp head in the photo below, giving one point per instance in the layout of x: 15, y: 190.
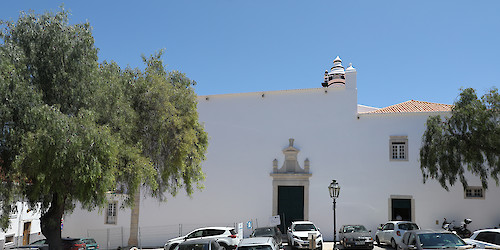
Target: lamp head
x: 334, y: 189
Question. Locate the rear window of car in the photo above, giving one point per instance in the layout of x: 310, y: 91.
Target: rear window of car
x: 232, y: 231
x: 89, y: 241
x: 490, y: 237
x: 257, y: 247
x: 408, y: 226
x: 263, y: 232
x: 214, y: 232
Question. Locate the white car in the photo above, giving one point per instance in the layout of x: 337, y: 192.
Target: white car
x: 225, y: 236
x: 261, y: 243
x: 486, y: 238
x: 392, y: 232
x: 298, y: 235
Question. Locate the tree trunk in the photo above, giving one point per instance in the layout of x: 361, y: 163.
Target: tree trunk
x: 51, y: 223
x: 134, y: 220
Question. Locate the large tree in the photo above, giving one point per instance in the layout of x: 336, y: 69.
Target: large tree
x: 74, y: 129
x: 467, y: 142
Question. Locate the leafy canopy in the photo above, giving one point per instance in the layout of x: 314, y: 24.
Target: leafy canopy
x: 466, y: 142
x: 73, y: 129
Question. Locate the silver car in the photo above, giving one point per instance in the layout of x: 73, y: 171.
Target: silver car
x: 258, y: 243
x: 355, y: 236
x: 430, y: 239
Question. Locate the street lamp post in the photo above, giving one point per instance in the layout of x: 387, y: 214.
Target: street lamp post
x: 334, y: 189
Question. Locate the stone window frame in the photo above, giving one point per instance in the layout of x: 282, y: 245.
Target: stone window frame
x: 9, y: 240
x: 474, y: 192
x: 408, y: 197
x: 398, y: 140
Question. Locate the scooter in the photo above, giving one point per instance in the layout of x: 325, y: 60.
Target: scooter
x: 461, y: 230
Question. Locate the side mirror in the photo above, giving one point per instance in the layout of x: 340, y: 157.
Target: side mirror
x: 318, y: 229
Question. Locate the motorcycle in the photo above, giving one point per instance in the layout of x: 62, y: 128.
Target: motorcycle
x: 461, y: 230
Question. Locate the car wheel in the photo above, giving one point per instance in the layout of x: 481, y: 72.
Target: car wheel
x: 320, y: 247
x: 377, y: 240
x: 224, y: 246
x: 393, y: 243
x: 172, y: 246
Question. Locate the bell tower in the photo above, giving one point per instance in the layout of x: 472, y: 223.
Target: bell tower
x: 336, y: 76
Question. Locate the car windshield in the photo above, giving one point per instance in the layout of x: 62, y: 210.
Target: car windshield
x: 355, y: 229
x: 260, y: 232
x: 259, y: 247
x: 440, y: 240
x: 408, y: 226
x: 304, y: 227
x: 193, y: 246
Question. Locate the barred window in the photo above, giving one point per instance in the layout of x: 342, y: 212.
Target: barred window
x: 474, y: 193
x: 398, y: 148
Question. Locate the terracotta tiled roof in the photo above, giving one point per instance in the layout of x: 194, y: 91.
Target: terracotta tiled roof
x: 413, y: 106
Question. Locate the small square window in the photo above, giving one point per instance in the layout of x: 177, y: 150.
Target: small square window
x: 474, y: 193
x: 9, y: 240
x: 111, y: 213
x: 398, y: 148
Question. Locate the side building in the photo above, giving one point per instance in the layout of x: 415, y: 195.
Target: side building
x: 24, y: 227
x: 275, y: 153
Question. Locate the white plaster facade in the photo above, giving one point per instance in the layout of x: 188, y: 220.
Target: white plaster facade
x: 24, y: 227
x: 340, y: 140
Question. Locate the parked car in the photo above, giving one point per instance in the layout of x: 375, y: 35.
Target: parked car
x: 39, y: 244
x: 258, y: 243
x: 68, y: 244
x: 298, y: 235
x: 199, y: 244
x: 486, y: 238
x: 225, y: 236
x: 73, y: 244
x: 355, y: 236
x: 392, y: 232
x: 90, y: 243
x: 430, y: 239
x: 274, y: 232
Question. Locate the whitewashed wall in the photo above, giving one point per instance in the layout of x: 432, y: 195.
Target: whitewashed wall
x: 248, y: 131
x: 17, y: 220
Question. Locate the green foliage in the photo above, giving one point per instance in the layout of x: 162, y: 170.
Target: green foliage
x: 74, y: 129
x: 467, y: 141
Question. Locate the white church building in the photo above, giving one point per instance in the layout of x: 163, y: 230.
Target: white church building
x: 275, y: 153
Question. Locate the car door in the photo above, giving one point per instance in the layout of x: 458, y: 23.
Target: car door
x: 387, y: 231
x: 409, y: 239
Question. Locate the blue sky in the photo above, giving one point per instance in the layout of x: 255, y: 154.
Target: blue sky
x: 402, y: 50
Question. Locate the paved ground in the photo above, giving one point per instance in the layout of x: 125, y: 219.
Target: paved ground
x: 326, y: 246
x: 329, y: 246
